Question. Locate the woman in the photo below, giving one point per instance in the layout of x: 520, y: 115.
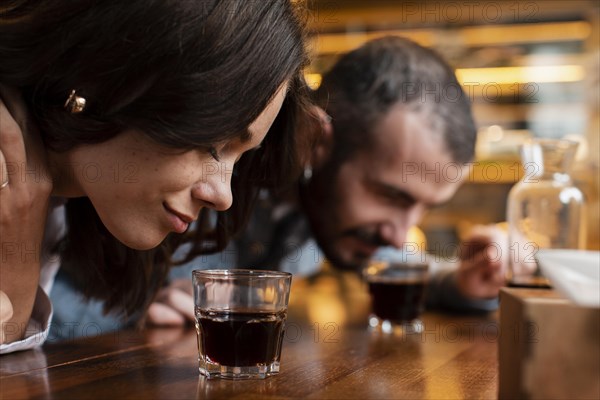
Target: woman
x: 136, y: 112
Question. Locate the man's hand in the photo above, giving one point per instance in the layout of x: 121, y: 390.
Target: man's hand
x: 174, y: 305
x: 484, y: 259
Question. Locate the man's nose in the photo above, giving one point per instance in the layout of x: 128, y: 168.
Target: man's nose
x: 394, y: 234
x: 395, y: 230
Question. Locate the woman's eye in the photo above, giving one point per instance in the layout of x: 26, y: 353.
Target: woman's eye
x: 213, y: 153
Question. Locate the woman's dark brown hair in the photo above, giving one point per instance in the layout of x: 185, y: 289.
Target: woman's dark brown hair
x: 187, y: 73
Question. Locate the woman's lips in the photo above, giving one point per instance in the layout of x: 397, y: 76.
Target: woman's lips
x: 177, y: 223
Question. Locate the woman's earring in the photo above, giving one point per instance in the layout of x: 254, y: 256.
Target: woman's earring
x: 75, y: 104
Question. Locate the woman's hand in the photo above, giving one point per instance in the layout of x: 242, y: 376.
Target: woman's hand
x: 174, y: 305
x: 24, y: 194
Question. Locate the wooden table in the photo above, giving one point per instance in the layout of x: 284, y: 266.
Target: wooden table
x: 327, y: 353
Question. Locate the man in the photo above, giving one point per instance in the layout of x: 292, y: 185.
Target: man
x: 396, y: 142
x: 396, y: 135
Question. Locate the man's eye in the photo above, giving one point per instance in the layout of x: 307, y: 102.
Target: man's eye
x: 400, y: 201
x: 405, y: 202
x: 397, y: 199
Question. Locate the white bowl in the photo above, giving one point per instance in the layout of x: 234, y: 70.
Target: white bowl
x: 573, y: 273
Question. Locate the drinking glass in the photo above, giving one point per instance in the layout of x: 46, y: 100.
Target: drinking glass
x: 397, y: 284
x: 240, y: 321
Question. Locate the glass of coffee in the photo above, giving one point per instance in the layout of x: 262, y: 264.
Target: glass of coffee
x: 240, y: 321
x: 397, y: 282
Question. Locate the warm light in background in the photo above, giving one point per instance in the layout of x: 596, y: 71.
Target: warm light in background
x: 324, y: 303
x: 345, y: 42
x: 415, y: 236
x: 495, y: 133
x: 525, y: 33
x: 468, y: 36
x: 313, y: 80
x: 501, y: 75
x: 476, y: 36
x: 525, y: 74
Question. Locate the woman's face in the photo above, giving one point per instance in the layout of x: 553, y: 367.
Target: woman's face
x: 142, y: 191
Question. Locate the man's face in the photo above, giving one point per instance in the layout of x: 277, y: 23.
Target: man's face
x: 378, y: 194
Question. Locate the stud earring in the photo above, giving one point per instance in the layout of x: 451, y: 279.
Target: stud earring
x: 75, y: 104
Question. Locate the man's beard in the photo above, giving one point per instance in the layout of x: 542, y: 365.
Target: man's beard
x: 319, y: 205
x: 366, y: 235
x: 359, y: 261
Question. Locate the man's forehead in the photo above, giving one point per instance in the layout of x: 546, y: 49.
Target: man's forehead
x: 401, y: 140
x: 407, y: 156
x: 402, y: 133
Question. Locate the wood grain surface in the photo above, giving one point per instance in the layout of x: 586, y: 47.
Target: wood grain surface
x: 328, y: 353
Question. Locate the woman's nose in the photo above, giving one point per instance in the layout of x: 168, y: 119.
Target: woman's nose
x: 214, y: 190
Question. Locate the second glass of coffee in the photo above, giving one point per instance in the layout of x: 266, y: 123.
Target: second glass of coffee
x: 397, y: 288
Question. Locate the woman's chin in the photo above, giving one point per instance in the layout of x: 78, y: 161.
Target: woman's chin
x: 142, y: 243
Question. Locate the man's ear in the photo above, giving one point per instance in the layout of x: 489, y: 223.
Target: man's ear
x: 324, y: 140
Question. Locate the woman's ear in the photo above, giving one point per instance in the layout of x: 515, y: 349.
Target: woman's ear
x: 324, y: 140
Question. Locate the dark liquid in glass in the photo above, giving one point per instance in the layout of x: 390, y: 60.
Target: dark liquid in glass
x: 238, y: 338
x: 397, y: 301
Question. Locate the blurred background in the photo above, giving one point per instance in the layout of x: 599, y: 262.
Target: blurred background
x: 530, y: 68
